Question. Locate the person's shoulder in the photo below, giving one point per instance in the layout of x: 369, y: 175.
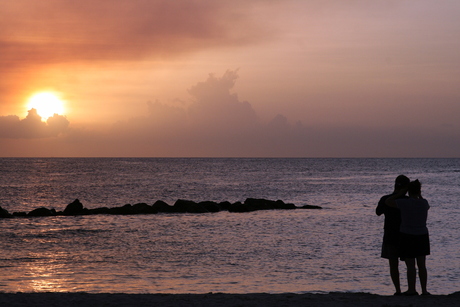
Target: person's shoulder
x: 384, y: 197
x: 425, y: 202
x: 381, y: 204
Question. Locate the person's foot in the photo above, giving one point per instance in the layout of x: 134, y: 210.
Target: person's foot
x: 407, y: 293
x: 397, y: 293
x: 426, y: 293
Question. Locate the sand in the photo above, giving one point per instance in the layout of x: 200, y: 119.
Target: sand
x: 226, y: 300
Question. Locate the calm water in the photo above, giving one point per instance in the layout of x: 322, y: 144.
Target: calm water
x: 334, y: 249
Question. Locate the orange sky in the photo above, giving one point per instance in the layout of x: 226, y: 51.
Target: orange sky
x: 291, y: 78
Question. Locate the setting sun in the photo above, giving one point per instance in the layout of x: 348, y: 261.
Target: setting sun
x: 46, y: 103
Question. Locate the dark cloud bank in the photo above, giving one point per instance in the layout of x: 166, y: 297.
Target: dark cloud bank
x: 216, y: 123
x: 32, y: 126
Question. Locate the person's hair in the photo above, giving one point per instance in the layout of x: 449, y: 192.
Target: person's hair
x: 415, y: 187
x: 401, y: 181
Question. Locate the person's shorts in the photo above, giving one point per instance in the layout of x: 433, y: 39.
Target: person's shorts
x: 413, y: 246
x: 390, y: 251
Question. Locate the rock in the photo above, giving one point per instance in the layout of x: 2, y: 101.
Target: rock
x: 210, y: 206
x: 101, y: 210
x: 290, y: 206
x: 310, y: 207
x: 181, y: 205
x: 20, y: 214
x: 224, y: 205
x: 4, y: 213
x: 259, y: 204
x: 238, y: 207
x: 74, y: 208
x: 188, y: 206
x: 126, y: 209
x: 279, y: 204
x: 142, y: 208
x: 42, y: 211
x: 254, y: 204
x: 161, y: 206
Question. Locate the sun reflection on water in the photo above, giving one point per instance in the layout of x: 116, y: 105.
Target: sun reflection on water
x: 45, y: 275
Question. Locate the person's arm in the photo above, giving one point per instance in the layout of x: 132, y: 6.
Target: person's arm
x: 391, y: 201
x: 380, y: 207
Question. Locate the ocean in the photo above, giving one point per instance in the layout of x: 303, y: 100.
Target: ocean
x: 336, y: 248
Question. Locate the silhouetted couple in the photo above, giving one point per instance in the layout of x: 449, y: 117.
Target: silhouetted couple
x: 405, y: 233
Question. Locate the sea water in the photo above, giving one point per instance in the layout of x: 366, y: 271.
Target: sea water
x: 333, y: 249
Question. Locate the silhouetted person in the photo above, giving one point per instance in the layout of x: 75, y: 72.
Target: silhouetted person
x: 390, y: 247
x: 414, y: 238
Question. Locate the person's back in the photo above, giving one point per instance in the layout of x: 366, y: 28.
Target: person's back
x: 391, y: 226
x: 414, y: 213
x: 414, y: 238
x: 392, y: 223
x: 392, y: 215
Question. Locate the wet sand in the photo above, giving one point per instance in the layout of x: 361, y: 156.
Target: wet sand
x: 226, y: 300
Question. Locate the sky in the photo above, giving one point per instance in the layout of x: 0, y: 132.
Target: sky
x: 215, y: 78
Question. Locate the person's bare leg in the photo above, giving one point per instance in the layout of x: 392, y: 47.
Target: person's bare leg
x: 411, y: 275
x: 394, y: 273
x: 422, y: 273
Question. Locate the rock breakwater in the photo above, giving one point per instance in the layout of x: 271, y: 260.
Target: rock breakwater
x: 180, y: 206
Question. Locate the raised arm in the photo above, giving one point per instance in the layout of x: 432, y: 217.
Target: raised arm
x: 391, y: 201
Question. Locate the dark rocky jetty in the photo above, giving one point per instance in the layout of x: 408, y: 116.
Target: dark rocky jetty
x: 42, y: 211
x: 310, y: 207
x: 4, y: 213
x: 161, y: 206
x: 180, y: 206
x: 254, y: 204
x: 74, y: 208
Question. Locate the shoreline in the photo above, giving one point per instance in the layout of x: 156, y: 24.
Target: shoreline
x: 333, y: 299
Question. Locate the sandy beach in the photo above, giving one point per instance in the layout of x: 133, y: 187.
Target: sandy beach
x: 226, y: 300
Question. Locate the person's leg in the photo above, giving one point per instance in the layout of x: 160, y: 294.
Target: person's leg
x: 394, y: 273
x: 422, y: 273
x: 411, y: 275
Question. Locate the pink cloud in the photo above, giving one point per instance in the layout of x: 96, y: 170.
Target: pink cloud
x: 60, y: 31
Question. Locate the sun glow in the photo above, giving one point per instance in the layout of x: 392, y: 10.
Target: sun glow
x: 46, y: 103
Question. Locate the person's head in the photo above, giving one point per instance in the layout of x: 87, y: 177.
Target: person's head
x: 401, y: 182
x: 415, y: 188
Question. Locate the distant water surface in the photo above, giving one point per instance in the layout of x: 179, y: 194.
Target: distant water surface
x: 334, y: 249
